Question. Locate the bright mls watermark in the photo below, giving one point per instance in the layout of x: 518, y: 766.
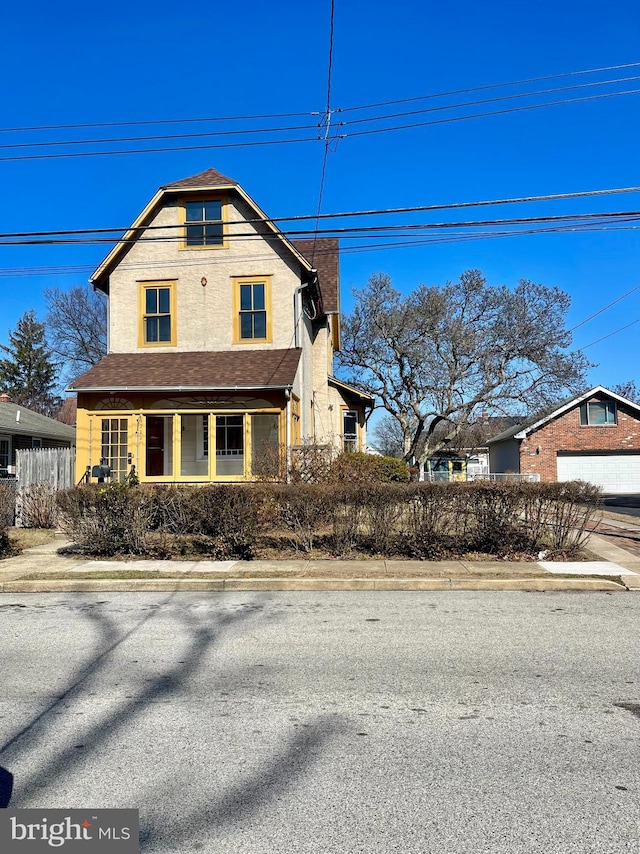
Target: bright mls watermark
x: 70, y: 831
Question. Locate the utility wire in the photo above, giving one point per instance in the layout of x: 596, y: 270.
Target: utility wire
x: 491, y: 86
x: 605, y: 308
x: 325, y: 153
x: 208, y: 134
x: 491, y: 113
x: 255, y: 117
x: 492, y: 100
x: 549, y: 197
x: 296, y: 140
x: 353, y: 231
x: 610, y: 335
x: 295, y: 128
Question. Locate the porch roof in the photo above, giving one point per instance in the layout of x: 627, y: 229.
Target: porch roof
x: 231, y: 369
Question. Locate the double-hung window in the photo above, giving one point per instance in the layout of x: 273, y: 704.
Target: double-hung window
x: 204, y: 223
x: 252, y: 301
x: 598, y: 413
x: 158, y: 321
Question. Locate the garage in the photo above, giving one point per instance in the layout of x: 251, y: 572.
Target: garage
x: 616, y: 473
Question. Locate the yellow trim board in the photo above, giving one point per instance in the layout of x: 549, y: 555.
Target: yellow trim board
x: 173, y: 314
x: 251, y: 280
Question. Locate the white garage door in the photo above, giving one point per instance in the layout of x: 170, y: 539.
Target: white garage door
x: 614, y: 473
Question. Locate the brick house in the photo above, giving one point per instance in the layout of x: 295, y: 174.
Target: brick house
x: 594, y: 436
x: 221, y: 340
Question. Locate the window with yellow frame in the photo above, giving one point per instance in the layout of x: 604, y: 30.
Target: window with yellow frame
x: 157, y: 301
x: 252, y: 309
x: 203, y: 221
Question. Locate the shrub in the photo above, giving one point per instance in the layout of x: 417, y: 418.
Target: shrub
x: 368, y: 468
x: 107, y: 520
x: 302, y: 510
x: 7, y: 503
x: 7, y: 509
x: 38, y: 507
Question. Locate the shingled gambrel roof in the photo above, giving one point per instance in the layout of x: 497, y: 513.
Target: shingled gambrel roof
x: 210, y: 178
x: 229, y: 369
x: 325, y: 260
x: 522, y: 430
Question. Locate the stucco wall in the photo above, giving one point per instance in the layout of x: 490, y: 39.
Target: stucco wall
x: 204, y: 314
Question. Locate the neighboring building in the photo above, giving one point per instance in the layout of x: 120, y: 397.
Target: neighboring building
x: 221, y: 338
x: 21, y: 429
x: 594, y: 436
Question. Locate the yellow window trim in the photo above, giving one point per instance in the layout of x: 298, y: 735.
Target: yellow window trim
x: 143, y: 286
x: 182, y: 219
x: 137, y: 441
x: 251, y: 280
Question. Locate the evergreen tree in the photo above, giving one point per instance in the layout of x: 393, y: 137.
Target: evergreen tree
x: 28, y: 372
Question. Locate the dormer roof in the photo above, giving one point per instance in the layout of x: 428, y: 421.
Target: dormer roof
x: 206, y: 180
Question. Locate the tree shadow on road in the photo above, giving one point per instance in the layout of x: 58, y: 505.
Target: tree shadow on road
x: 203, y: 633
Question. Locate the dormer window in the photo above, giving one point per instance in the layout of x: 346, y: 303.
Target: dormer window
x: 598, y: 413
x: 203, y: 224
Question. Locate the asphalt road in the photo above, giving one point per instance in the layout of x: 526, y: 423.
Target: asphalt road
x: 335, y: 722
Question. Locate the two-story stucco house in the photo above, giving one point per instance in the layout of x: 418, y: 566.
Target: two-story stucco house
x: 221, y: 338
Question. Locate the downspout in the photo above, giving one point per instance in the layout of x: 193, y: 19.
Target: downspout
x: 287, y: 394
x: 297, y: 339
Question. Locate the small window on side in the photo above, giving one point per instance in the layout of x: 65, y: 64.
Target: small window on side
x: 598, y: 413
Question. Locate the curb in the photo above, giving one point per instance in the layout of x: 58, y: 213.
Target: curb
x: 228, y: 585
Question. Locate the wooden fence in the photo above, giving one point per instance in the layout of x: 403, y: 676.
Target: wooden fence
x: 46, y: 465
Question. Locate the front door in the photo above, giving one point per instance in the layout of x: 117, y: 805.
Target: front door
x: 155, y: 445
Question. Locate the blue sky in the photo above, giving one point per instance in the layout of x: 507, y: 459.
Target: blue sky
x: 78, y: 63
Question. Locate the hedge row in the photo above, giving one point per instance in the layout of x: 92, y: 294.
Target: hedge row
x: 427, y: 520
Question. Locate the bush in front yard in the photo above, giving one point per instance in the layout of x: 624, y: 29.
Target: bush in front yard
x: 368, y: 468
x: 107, y: 519
x: 339, y: 518
x: 38, y: 506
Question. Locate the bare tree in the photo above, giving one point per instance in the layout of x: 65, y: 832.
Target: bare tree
x: 438, y: 357
x: 628, y: 389
x: 387, y: 436
x: 76, y: 326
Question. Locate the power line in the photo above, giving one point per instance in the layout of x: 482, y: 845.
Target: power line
x: 492, y: 100
x: 25, y: 238
x: 491, y: 113
x: 256, y: 143
x: 492, y: 86
x: 580, y: 194
x: 325, y: 153
x: 104, y: 141
x: 610, y: 335
x: 295, y: 128
x: 605, y: 308
x: 261, y: 116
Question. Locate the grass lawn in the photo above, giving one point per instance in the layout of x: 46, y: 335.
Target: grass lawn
x: 26, y: 538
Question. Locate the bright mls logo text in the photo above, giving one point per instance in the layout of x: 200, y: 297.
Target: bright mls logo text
x: 102, y: 831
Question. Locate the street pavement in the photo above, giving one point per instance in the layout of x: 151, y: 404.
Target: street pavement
x: 274, y: 723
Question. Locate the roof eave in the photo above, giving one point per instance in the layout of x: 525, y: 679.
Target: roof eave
x: 370, y: 399
x: 174, y: 388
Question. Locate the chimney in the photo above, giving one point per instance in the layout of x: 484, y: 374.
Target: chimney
x: 4, y: 398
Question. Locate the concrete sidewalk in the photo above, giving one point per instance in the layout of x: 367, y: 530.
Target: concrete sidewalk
x: 615, y: 569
